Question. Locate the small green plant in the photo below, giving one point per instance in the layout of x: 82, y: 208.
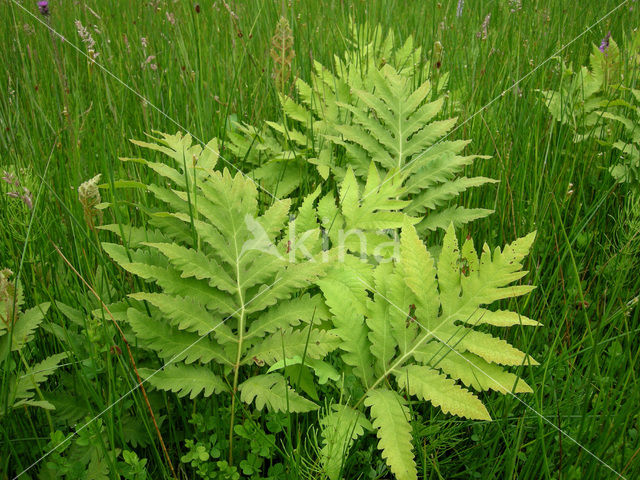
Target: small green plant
x: 22, y: 381
x: 206, y: 449
x: 86, y: 456
x: 628, y: 170
x: 593, y: 101
x: 132, y: 467
x: 584, y: 96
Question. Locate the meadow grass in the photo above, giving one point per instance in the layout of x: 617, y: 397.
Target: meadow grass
x: 66, y: 120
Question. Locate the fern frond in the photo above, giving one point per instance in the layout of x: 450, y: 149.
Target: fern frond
x: 416, y: 322
x: 472, y: 370
x: 391, y: 419
x: 173, y: 344
x: 317, y: 114
x: 443, y: 392
x: 323, y: 370
x: 499, y: 318
x: 271, y: 390
x: 22, y: 389
x: 345, y: 296
x: 225, y: 284
x: 315, y: 344
x: 192, y: 380
x: 284, y: 315
x: 586, y: 99
x: 23, y: 328
x: 382, y: 338
x: 186, y: 314
x: 363, y: 220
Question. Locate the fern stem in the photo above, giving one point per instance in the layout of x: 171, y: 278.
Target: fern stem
x: 236, y: 367
x: 234, y: 392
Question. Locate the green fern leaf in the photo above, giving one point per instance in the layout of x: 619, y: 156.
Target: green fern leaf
x: 402, y: 138
x: 333, y: 104
x: 323, y: 370
x: 285, y: 344
x: 346, y: 298
x: 23, y: 329
x: 499, y: 318
x: 301, y: 309
x: 391, y: 419
x: 22, y: 390
x: 227, y: 290
x: 419, y: 330
x: 472, y: 370
x: 184, y: 380
x: 187, y: 314
x: 173, y: 344
x: 441, y: 391
x: 272, y: 391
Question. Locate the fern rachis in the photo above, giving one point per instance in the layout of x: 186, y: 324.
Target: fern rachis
x: 427, y: 348
x: 226, y: 285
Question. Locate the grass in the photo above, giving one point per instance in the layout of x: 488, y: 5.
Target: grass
x: 66, y: 120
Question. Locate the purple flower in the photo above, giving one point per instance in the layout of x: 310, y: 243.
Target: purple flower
x: 604, y: 44
x: 43, y: 6
x: 460, y: 8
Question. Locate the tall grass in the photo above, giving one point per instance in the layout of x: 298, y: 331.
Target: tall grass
x: 64, y: 120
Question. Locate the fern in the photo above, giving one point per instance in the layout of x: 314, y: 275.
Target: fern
x: 340, y: 427
x: 585, y: 97
x: 280, y: 152
x: 229, y: 294
x: 390, y: 417
x: 271, y: 390
x: 628, y: 169
x: 369, y: 109
x: 393, y: 125
x: 418, y: 323
x: 363, y: 219
x: 592, y: 101
x: 17, y: 328
x: 185, y: 380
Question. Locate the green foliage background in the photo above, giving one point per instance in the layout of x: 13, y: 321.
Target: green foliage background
x: 213, y: 67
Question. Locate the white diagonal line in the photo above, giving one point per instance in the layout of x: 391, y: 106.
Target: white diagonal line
x: 142, y: 97
x: 491, y: 102
x: 507, y: 389
x: 138, y: 385
x: 278, y: 199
